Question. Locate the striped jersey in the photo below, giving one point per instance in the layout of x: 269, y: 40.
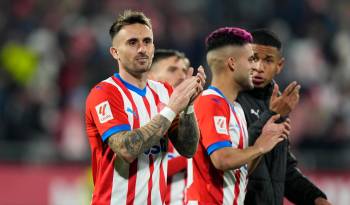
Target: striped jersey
x: 113, y: 106
x: 177, y: 177
x: 222, y: 124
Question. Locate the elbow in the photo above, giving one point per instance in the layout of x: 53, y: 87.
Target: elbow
x: 128, y: 159
x: 188, y: 155
x: 223, y: 162
x: 221, y: 165
x: 125, y: 156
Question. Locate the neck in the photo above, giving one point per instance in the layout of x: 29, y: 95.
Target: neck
x: 227, y: 87
x: 139, y: 81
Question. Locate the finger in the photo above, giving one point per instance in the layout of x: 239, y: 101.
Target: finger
x: 201, y: 75
x: 289, y: 89
x: 187, y: 82
x: 200, y: 79
x: 288, y: 120
x: 193, y: 85
x: 189, y: 72
x: 275, y: 91
x: 286, y: 132
x: 274, y: 118
x: 287, y: 126
x: 201, y: 71
x: 297, y: 89
x: 283, y: 137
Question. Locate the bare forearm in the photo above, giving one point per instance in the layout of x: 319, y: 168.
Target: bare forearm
x: 230, y: 158
x: 186, y: 139
x: 129, y: 144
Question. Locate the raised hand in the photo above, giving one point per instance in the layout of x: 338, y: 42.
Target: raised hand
x: 286, y: 102
x: 182, y: 94
x: 272, y: 133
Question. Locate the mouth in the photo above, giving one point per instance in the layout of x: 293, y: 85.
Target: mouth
x: 257, y: 80
x: 142, y: 60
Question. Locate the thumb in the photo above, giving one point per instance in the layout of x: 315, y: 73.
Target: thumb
x: 274, y: 118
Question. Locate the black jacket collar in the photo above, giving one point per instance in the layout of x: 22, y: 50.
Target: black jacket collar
x: 262, y: 93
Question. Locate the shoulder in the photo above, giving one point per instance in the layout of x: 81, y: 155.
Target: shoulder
x: 103, y: 90
x: 160, y: 86
x: 210, y: 100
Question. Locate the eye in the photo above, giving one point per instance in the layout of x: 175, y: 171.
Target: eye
x: 132, y: 42
x: 269, y: 60
x: 147, y: 41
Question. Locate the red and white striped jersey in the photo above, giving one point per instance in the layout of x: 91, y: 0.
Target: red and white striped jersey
x: 177, y: 177
x: 221, y: 124
x: 113, y: 106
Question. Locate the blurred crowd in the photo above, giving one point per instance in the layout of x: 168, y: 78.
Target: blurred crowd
x: 53, y: 52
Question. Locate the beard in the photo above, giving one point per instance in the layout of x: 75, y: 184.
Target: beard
x: 246, y: 83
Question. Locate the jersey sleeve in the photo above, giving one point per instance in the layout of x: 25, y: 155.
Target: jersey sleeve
x: 106, y: 107
x: 213, y: 116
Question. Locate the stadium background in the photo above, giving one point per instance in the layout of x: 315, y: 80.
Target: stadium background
x: 53, y: 52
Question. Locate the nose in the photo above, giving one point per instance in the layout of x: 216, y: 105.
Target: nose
x: 142, y: 48
x: 258, y: 66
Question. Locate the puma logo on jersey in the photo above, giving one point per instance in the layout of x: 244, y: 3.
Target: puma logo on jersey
x: 104, y: 112
x: 255, y: 112
x: 220, y: 124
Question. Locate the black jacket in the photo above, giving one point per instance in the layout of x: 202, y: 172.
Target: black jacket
x: 276, y: 175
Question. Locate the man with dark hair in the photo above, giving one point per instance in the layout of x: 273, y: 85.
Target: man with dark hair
x: 172, y: 66
x: 219, y: 169
x: 129, y: 120
x: 276, y: 174
x: 169, y: 66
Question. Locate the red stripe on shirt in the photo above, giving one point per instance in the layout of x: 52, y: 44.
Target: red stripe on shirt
x: 162, y: 181
x: 133, y: 166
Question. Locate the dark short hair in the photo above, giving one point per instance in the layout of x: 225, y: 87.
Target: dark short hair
x: 266, y: 38
x: 127, y: 18
x: 227, y: 36
x: 160, y: 54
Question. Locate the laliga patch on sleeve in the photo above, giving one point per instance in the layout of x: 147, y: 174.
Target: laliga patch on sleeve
x: 104, y: 112
x: 220, y: 124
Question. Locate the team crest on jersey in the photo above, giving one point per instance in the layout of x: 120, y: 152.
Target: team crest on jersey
x: 220, y: 124
x: 104, y: 112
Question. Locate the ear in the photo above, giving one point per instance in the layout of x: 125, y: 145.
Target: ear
x: 280, y: 65
x: 231, y: 62
x: 114, y: 52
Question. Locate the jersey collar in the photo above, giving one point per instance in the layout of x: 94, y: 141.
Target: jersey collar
x: 137, y: 90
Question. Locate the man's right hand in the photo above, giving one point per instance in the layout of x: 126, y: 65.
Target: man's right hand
x: 187, y: 90
x: 286, y: 102
x: 272, y: 133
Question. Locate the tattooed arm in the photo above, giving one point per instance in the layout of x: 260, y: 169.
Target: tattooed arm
x: 185, y: 137
x: 129, y: 144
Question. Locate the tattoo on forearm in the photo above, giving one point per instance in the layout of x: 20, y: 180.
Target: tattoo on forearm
x: 185, y: 138
x: 134, y: 142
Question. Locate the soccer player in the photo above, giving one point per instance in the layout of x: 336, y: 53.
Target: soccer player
x: 276, y: 175
x: 218, y: 174
x: 172, y: 66
x: 128, y: 116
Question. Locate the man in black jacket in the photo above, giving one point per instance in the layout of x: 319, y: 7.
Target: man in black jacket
x: 276, y: 175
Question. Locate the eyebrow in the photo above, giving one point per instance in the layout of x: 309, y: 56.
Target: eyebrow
x: 268, y: 56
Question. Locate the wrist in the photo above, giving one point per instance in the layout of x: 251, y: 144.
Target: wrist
x: 168, y: 113
x: 189, y: 110
x: 259, y: 149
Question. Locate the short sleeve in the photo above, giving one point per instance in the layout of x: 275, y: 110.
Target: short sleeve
x: 106, y: 106
x: 213, y: 115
